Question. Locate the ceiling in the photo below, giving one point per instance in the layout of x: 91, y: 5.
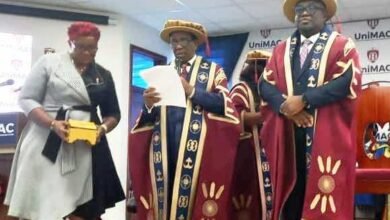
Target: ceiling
x: 218, y: 16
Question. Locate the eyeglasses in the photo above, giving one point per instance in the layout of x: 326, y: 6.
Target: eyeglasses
x: 311, y: 9
x: 182, y: 42
x: 89, y: 48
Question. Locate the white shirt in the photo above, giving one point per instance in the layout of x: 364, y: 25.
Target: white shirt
x: 189, y: 63
x: 313, y: 39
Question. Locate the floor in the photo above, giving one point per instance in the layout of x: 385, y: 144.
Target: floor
x: 361, y: 214
x: 3, y: 211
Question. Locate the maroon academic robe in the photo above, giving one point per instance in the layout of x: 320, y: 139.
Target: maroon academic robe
x: 330, y: 178
x: 251, y: 181
x: 202, y: 183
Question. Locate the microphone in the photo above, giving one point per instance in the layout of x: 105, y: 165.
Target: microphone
x: 8, y: 82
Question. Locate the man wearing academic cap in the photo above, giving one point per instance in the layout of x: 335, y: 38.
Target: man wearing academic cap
x: 309, y: 90
x: 252, y: 190
x: 181, y: 159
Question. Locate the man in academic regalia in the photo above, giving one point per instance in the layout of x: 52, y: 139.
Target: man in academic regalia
x: 309, y: 91
x: 252, y: 189
x: 181, y: 159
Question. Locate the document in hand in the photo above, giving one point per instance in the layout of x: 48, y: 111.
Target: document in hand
x: 167, y: 82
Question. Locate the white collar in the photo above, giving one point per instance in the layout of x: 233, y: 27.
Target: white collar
x: 192, y: 60
x: 312, y: 38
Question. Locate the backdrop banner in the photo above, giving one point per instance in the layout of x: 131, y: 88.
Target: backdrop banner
x: 8, y: 129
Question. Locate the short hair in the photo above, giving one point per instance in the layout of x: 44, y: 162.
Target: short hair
x: 83, y: 28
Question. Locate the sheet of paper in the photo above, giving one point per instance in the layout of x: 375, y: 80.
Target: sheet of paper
x: 167, y: 82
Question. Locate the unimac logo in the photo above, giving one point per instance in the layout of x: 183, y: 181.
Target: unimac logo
x: 373, y: 23
x: 373, y: 55
x: 267, y: 44
x: 7, y: 129
x: 372, y: 35
x: 265, y: 33
x: 376, y: 140
x: 376, y: 69
x: 372, y: 68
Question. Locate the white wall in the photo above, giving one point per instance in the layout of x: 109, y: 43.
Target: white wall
x: 113, y: 54
x: 146, y: 37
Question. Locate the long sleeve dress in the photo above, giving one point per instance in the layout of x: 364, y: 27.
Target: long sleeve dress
x: 83, y: 177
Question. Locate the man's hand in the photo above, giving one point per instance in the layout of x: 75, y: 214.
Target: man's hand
x: 187, y: 87
x: 292, y: 105
x: 151, y: 97
x: 302, y: 119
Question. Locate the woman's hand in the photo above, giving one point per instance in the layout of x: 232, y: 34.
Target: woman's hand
x: 101, y: 131
x: 60, y: 128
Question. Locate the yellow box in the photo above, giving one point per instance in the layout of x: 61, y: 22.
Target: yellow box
x: 82, y: 130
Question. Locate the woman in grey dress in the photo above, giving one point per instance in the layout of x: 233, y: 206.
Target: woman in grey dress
x: 50, y: 178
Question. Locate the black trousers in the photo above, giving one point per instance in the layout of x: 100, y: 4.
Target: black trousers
x: 293, y: 207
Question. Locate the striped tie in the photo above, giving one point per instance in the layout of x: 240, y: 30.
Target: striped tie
x: 304, y: 51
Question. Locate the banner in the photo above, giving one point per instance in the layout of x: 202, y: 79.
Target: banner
x: 8, y: 129
x: 372, y: 39
x: 15, y: 64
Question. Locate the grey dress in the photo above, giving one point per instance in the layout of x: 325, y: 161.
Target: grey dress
x: 39, y: 189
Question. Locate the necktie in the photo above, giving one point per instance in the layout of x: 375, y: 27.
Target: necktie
x: 304, y: 51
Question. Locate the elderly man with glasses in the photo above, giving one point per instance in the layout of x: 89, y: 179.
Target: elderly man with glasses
x: 309, y: 90
x: 181, y: 159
